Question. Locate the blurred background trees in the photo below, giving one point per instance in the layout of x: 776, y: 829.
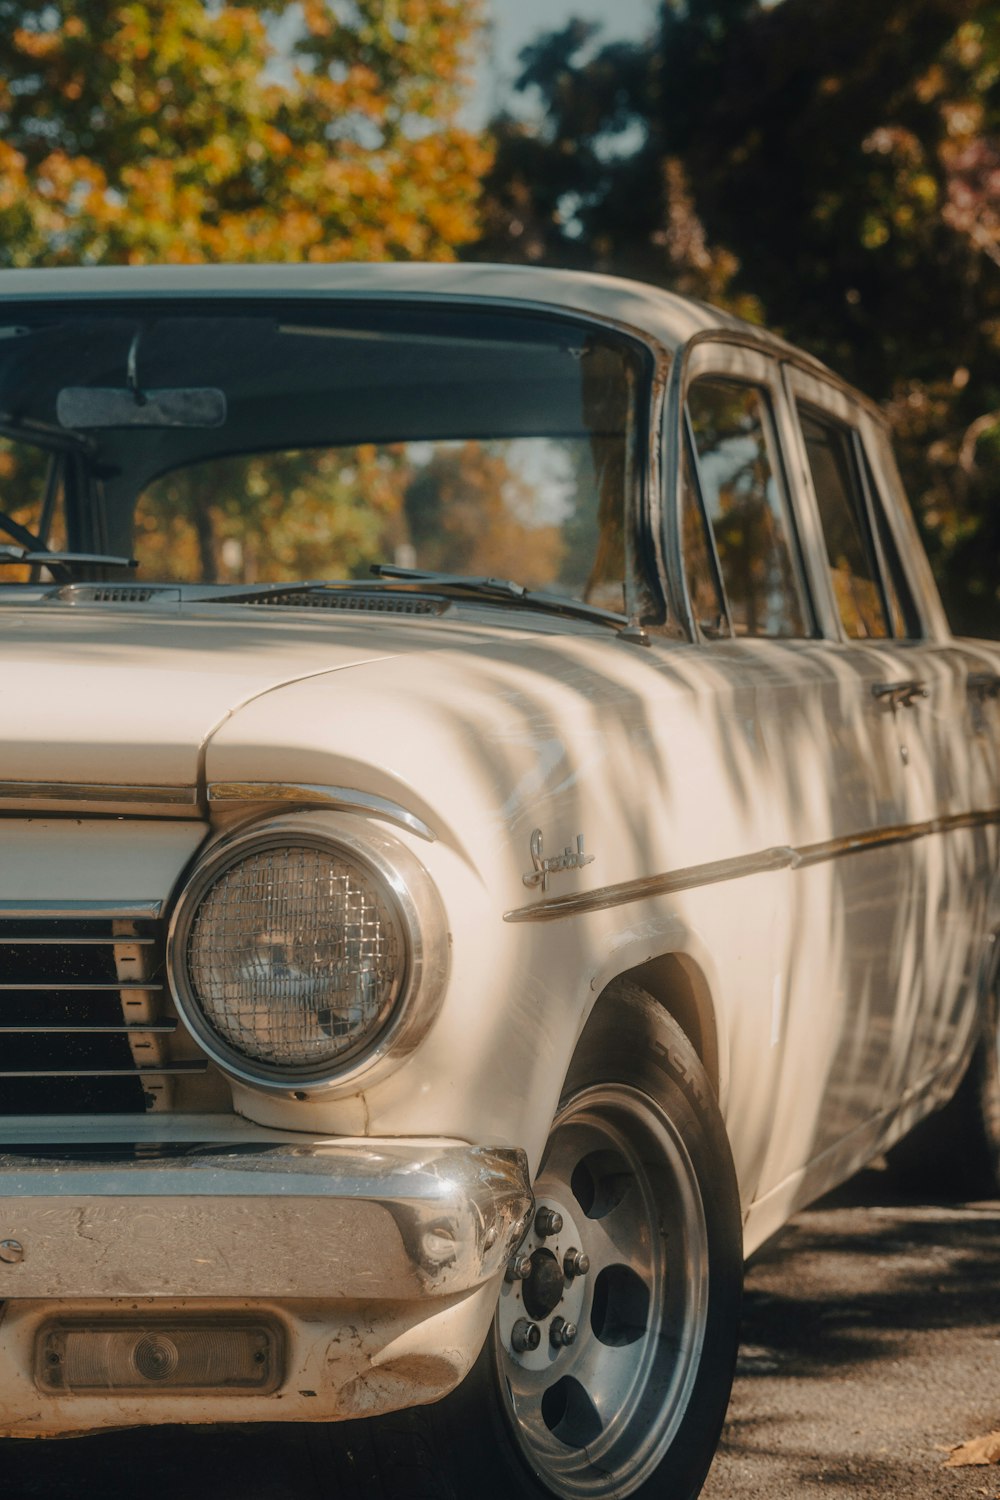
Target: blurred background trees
x: 183, y: 130
x: 831, y: 167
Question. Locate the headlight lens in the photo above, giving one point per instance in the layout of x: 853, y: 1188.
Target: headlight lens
x: 307, y: 951
x: 296, y: 956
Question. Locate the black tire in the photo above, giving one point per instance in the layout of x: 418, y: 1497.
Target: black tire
x: 638, y: 1105
x: 955, y: 1153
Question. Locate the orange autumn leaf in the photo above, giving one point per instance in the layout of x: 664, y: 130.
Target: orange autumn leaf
x: 977, y: 1453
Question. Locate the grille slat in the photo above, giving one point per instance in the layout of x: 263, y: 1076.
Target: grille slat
x: 151, y: 1072
x: 166, y: 1027
x: 77, y: 942
x: 72, y: 986
x: 85, y: 1027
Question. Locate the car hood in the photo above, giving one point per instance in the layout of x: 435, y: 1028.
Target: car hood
x: 130, y: 699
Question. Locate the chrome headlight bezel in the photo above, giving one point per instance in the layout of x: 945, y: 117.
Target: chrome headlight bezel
x: 405, y: 886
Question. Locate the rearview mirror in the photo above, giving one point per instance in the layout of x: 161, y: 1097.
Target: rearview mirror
x: 88, y: 406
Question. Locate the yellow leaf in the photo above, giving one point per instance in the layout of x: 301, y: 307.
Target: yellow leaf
x: 976, y: 1453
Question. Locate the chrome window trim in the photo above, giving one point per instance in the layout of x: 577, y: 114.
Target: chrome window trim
x: 781, y: 857
x: 418, y: 909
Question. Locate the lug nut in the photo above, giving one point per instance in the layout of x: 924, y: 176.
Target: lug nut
x: 518, y: 1267
x: 525, y: 1336
x: 575, y: 1263
x: 562, y: 1333
x: 547, y: 1222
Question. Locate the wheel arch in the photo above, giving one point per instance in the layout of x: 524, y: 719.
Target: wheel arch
x: 679, y: 986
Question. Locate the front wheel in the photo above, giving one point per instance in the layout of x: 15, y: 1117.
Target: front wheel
x: 608, y: 1368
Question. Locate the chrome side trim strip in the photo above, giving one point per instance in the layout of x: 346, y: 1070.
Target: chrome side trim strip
x: 96, y: 792
x: 900, y: 833
x: 781, y: 857
x: 26, y: 911
x: 305, y: 794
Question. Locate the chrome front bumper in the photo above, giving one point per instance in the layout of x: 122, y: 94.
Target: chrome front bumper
x: 379, y: 1261
x: 333, y: 1220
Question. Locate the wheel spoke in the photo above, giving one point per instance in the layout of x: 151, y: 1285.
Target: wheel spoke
x: 607, y: 1375
x: 622, y: 1237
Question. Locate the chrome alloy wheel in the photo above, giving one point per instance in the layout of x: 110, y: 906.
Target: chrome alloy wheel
x: 596, y: 1393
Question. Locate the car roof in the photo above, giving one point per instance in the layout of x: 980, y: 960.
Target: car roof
x: 670, y: 318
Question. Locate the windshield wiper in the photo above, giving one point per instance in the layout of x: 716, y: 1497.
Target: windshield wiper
x: 62, y: 563
x: 506, y: 588
x: 459, y: 585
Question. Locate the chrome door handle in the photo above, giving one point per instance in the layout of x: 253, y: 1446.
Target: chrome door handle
x: 984, y: 684
x: 900, y: 694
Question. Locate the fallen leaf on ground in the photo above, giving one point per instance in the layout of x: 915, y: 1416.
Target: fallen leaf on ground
x: 976, y: 1452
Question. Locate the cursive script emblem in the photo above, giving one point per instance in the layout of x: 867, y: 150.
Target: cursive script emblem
x: 570, y: 859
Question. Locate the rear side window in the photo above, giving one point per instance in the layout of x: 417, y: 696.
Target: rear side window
x: 738, y: 479
x: 850, y: 547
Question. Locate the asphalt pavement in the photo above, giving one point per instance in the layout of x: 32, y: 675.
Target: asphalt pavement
x: 871, y: 1344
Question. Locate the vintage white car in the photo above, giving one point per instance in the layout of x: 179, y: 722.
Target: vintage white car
x: 494, y: 821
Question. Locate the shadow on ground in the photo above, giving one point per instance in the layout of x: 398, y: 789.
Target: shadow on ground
x: 869, y: 1342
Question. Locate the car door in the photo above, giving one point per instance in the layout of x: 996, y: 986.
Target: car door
x: 951, y: 735
x: 832, y: 756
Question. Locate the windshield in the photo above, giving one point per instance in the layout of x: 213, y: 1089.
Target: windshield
x: 472, y: 441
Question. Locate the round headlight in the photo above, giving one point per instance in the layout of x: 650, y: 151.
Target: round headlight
x: 294, y: 951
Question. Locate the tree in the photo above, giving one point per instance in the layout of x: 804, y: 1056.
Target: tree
x: 467, y: 510
x: 832, y: 166
x: 185, y: 130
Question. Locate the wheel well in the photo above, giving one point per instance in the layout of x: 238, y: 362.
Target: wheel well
x: 678, y: 985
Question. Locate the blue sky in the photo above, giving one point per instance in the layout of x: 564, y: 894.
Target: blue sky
x: 515, y: 23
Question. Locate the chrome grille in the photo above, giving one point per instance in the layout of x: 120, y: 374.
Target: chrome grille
x: 86, y: 1026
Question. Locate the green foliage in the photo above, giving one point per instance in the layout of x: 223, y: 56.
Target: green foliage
x: 832, y: 166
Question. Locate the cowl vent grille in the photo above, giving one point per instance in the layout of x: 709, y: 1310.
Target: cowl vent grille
x: 123, y: 595
x: 115, y: 593
x: 375, y: 604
